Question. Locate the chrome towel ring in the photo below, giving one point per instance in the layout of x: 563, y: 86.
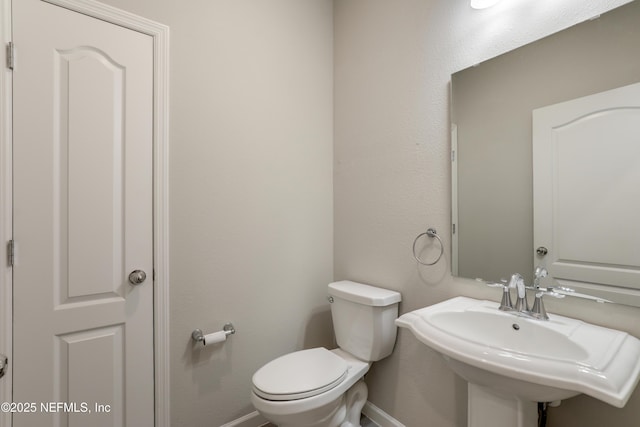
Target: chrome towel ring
x: 431, y: 232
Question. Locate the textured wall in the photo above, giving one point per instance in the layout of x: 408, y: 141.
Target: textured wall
x: 393, y: 62
x: 250, y: 191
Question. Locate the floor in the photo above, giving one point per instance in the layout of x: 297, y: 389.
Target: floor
x: 364, y: 421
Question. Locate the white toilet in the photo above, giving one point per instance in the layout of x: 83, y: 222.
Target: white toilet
x: 325, y: 388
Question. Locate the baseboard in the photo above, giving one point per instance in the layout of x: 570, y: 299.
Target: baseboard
x: 253, y: 419
x: 372, y: 412
x: 380, y: 417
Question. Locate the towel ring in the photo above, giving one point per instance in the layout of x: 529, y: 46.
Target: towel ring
x: 431, y: 232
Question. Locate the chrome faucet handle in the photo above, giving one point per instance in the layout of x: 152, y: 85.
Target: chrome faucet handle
x: 505, y: 303
x: 503, y: 283
x: 538, y: 311
x: 539, y: 273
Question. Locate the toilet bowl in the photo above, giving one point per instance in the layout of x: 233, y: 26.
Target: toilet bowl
x: 325, y: 388
x: 323, y: 405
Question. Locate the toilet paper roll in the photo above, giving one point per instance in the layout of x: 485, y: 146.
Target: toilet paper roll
x: 215, y: 337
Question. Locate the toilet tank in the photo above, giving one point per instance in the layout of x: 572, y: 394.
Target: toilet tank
x: 363, y: 319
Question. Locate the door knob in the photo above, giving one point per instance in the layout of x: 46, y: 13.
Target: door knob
x: 542, y: 251
x: 137, y: 276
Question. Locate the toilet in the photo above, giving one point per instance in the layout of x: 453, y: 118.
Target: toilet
x: 325, y: 388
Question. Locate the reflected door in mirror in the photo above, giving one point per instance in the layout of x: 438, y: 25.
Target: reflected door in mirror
x: 586, y: 158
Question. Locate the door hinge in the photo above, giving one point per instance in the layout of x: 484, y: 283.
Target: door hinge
x: 10, y: 55
x: 453, y: 156
x: 11, y: 252
x: 4, y: 361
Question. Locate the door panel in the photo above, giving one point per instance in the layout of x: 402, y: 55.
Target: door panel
x: 82, y: 218
x: 85, y: 359
x: 90, y: 110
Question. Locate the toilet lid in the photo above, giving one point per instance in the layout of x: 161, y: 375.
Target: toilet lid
x: 299, y: 375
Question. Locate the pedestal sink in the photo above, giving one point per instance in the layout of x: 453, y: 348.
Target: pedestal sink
x: 511, y: 362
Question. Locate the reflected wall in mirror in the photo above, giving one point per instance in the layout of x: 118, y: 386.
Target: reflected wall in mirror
x: 492, y: 105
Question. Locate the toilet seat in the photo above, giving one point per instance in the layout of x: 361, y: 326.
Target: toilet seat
x: 300, y: 375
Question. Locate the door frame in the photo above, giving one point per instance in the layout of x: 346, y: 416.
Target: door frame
x: 160, y: 35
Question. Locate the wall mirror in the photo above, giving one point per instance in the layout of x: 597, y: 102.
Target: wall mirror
x: 492, y: 112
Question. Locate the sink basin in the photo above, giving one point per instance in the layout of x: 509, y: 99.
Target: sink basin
x: 540, y: 361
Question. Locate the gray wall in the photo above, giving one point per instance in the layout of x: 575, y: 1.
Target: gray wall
x: 492, y: 105
x: 256, y: 204
x: 251, y: 191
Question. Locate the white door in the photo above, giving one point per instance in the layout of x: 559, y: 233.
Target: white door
x: 587, y: 189
x: 83, y: 334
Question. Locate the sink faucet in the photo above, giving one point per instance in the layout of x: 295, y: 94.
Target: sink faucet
x: 522, y: 307
x: 521, y: 302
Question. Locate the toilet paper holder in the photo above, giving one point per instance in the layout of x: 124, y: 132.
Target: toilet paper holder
x: 198, y: 336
